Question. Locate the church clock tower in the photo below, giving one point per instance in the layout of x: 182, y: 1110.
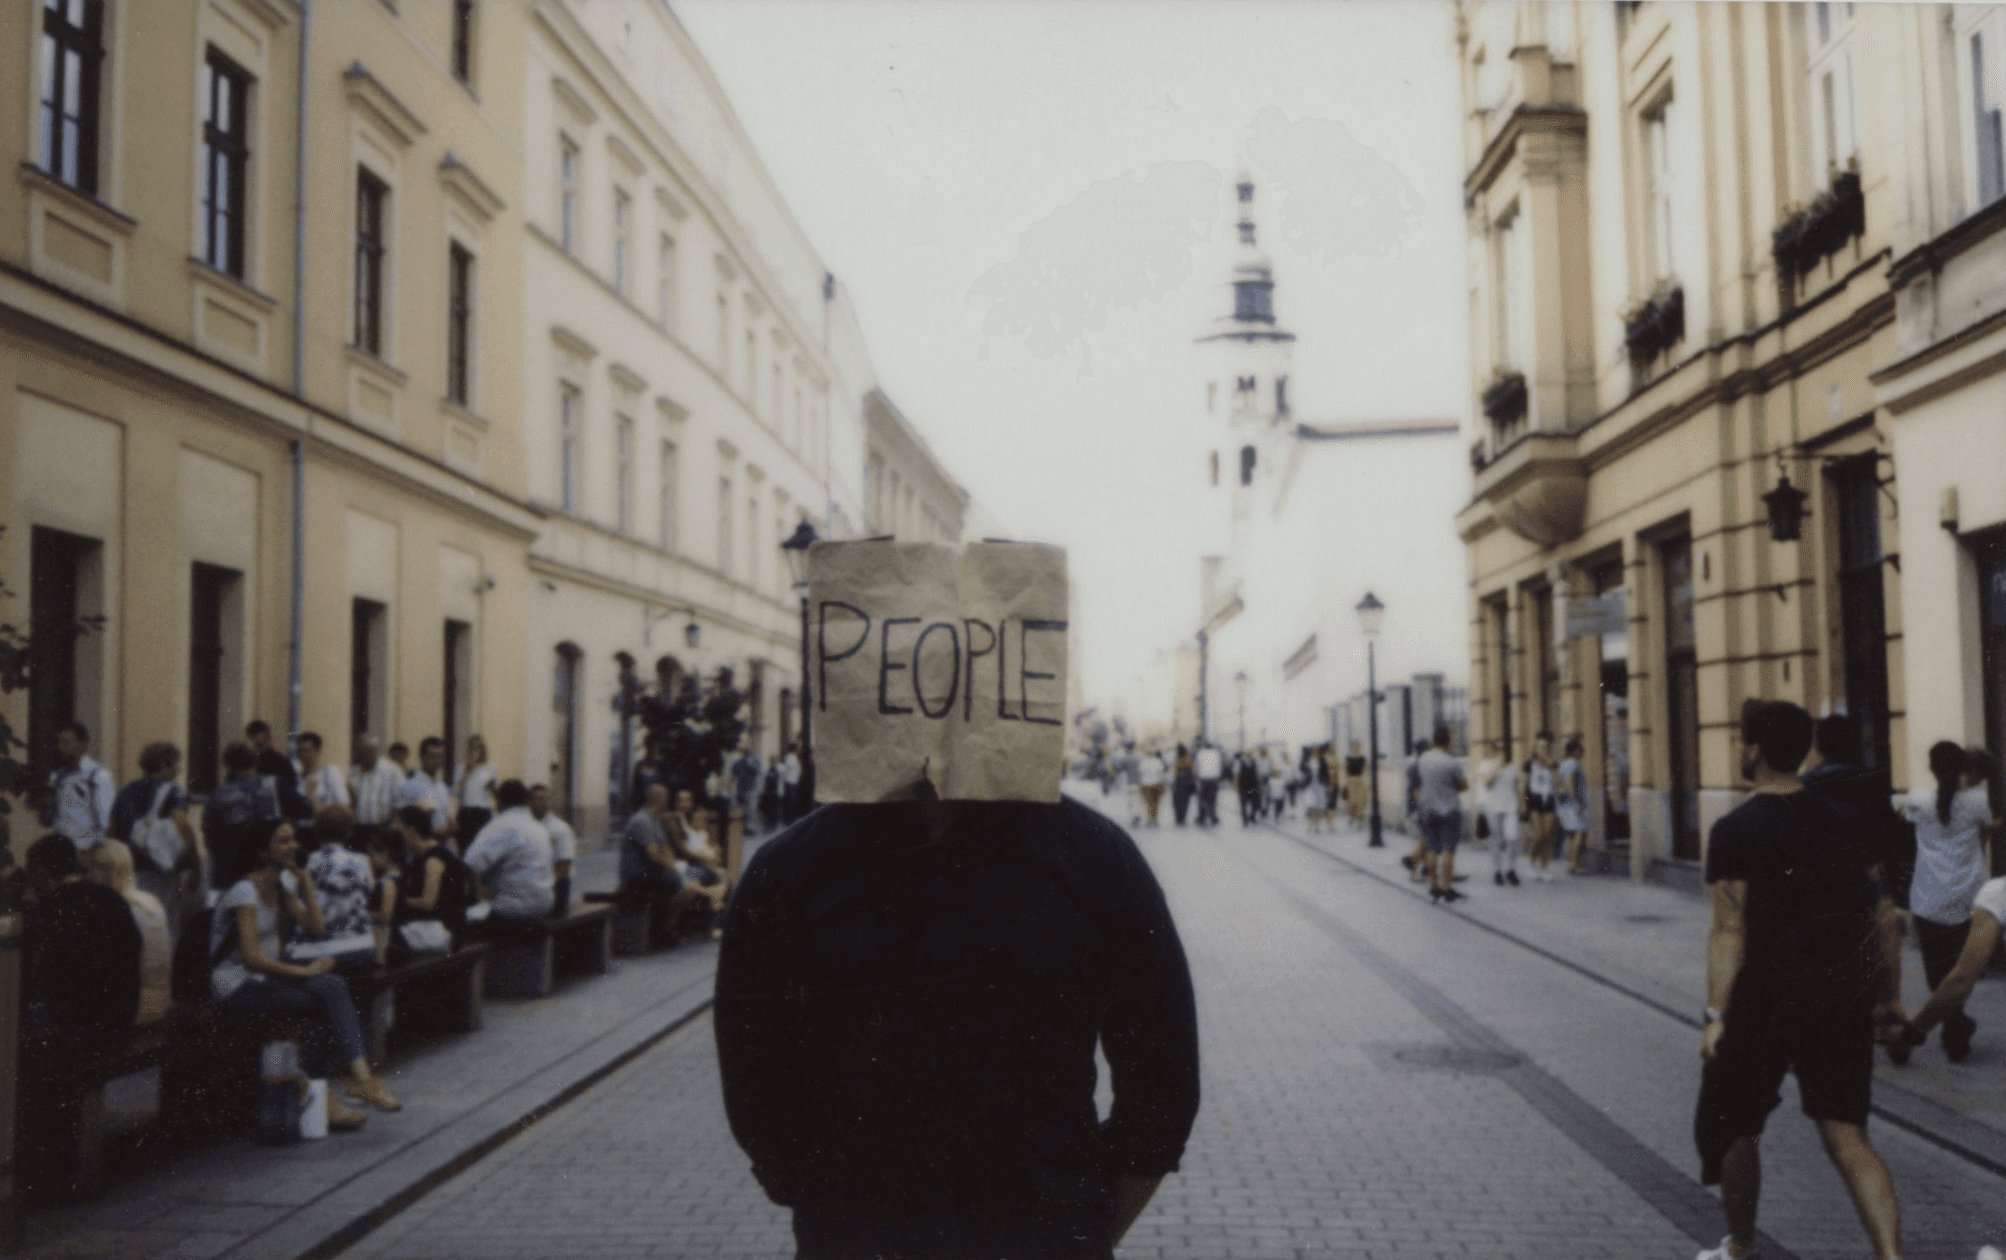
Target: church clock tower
x: 1247, y: 356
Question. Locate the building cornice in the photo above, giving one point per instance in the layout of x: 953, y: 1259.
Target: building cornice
x: 146, y: 353
x: 1557, y: 120
x: 367, y: 91
x: 481, y: 201
x: 1933, y: 254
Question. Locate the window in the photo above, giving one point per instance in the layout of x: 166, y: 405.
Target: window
x: 72, y: 52
x: 777, y: 411
x: 751, y: 367
x: 626, y: 457
x: 1501, y: 630
x: 463, y: 40
x: 370, y: 194
x: 1982, y: 91
x: 564, y: 729
x: 1615, y: 710
x: 1212, y: 462
x: 623, y: 214
x: 65, y: 655
x: 1247, y: 457
x: 567, y: 194
x: 1550, y: 717
x: 1682, y: 697
x: 457, y: 712
x: 723, y: 335
x: 215, y: 667
x: 665, y: 491
x: 226, y: 151
x: 1833, y: 146
x: 1657, y: 149
x: 569, y: 405
x: 459, y: 322
x: 724, y: 526
x: 755, y: 555
x: 1514, y: 293
x: 665, y: 282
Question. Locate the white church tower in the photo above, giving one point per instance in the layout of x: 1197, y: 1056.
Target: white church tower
x: 1246, y: 357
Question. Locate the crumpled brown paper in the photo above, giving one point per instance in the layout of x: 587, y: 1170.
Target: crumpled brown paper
x: 938, y: 662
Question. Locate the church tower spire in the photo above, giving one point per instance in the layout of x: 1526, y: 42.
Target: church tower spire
x: 1247, y: 355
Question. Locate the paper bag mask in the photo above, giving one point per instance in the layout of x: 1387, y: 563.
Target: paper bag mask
x: 938, y: 662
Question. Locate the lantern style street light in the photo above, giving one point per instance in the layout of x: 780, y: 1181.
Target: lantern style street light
x: 1370, y: 613
x: 1786, y: 511
x: 796, y: 547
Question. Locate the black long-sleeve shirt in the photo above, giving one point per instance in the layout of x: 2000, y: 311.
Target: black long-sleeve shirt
x: 906, y: 1028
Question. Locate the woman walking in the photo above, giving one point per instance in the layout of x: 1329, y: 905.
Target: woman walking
x: 1497, y: 804
x: 1183, y: 784
x: 1949, y: 870
x: 1537, y: 808
x: 1570, y: 805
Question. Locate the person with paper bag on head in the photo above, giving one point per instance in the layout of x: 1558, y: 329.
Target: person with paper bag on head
x: 914, y: 977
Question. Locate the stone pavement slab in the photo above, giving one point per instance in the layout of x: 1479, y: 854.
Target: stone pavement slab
x: 461, y: 1094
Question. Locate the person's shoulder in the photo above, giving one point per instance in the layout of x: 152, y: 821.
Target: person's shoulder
x: 241, y: 893
x: 1992, y: 899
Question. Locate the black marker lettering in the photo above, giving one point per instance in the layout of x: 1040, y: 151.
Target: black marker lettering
x: 954, y: 677
x: 1025, y: 674
x: 968, y: 625
x: 822, y: 645
x: 885, y: 666
x: 1002, y: 690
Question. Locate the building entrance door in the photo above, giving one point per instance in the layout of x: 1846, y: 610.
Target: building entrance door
x: 1682, y: 703
x: 1990, y: 553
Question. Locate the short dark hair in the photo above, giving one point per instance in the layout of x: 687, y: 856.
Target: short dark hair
x: 430, y: 741
x: 334, y: 824
x: 1780, y: 729
x: 237, y: 755
x: 53, y: 859
x: 309, y: 737
x: 262, y: 832
x: 159, y: 757
x: 510, y: 794
x: 1838, y: 739
x: 1545, y: 735
x: 1574, y: 746
x: 385, y: 840
x: 257, y: 727
x: 1441, y: 736
x: 397, y: 750
x: 534, y: 788
x: 78, y: 729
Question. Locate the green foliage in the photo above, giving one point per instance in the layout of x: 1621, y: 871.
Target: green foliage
x: 692, y: 726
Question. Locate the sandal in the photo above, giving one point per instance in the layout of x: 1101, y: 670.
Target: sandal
x: 373, y: 1092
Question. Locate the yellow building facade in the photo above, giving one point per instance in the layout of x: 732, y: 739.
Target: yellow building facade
x: 1680, y: 223
x: 259, y: 371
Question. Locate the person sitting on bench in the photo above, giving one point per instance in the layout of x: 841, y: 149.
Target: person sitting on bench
x: 248, y: 976
x: 436, y: 886
x: 699, y: 863
x: 649, y: 867
x: 511, y: 860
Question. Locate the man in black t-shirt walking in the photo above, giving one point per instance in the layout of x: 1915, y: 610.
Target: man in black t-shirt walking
x: 1798, y: 970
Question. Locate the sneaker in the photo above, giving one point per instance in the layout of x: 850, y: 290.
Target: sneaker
x: 373, y: 1092
x: 1497, y: 877
x: 1723, y: 1252
x: 343, y: 1118
x: 1511, y: 877
x: 1406, y: 860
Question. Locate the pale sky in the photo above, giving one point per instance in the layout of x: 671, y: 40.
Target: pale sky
x: 1031, y: 206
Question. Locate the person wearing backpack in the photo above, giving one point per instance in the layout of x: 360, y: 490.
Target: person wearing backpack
x: 151, y: 815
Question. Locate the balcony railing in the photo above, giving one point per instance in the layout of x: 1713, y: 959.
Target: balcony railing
x: 1653, y: 327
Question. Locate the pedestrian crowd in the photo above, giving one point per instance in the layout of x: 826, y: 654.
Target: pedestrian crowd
x: 300, y: 874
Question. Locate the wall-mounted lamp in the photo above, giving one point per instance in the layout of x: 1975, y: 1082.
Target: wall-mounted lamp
x: 1786, y: 511
x: 692, y: 633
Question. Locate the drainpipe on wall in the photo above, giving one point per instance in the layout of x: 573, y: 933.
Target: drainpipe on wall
x: 299, y: 377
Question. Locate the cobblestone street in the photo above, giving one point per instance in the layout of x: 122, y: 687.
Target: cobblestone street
x: 1382, y: 1078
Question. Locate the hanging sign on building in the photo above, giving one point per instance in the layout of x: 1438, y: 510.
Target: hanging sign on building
x: 1596, y: 615
x: 938, y: 663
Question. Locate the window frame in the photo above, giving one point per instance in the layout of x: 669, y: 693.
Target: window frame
x: 724, y: 525
x: 623, y: 242
x: 623, y: 438
x: 1659, y: 204
x: 464, y: 31
x: 667, y: 485
x: 61, y: 41
x: 1981, y: 79
x: 665, y: 281
x: 569, y: 156
x: 1830, y: 96
x: 570, y: 444
x: 226, y: 155
x: 372, y: 195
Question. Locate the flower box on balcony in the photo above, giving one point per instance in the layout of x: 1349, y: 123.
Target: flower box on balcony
x: 1817, y: 231
x: 1655, y: 325
x: 1504, y: 398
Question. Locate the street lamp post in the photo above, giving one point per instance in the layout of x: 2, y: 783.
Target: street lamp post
x: 796, y: 547
x: 1370, y: 613
x: 1240, y: 681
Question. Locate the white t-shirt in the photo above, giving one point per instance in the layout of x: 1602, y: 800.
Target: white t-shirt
x: 1949, y: 857
x: 512, y: 856
x: 1992, y: 899
x: 1208, y: 763
x: 1150, y: 771
x: 325, y: 786
x: 230, y: 974
x: 563, y: 840
x: 1499, y: 783
x: 474, y: 784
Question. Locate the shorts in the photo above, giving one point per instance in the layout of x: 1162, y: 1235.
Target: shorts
x: 1443, y: 832
x: 1830, y: 1050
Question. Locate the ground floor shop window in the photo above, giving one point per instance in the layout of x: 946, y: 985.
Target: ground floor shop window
x: 564, y: 729
x: 1614, y: 711
x: 1990, y: 552
x: 1862, y: 608
x: 215, y: 668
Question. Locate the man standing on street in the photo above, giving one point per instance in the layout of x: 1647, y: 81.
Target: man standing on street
x: 1439, y: 813
x: 1798, y: 971
x: 82, y: 791
x: 322, y: 783
x: 1210, y: 766
x: 374, y: 784
x: 908, y: 999
x: 423, y: 786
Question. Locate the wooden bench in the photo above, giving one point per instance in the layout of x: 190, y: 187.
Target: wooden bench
x: 526, y: 958
x: 443, y: 990
x: 642, y: 925
x: 63, y: 1153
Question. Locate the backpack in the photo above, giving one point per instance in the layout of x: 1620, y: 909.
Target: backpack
x: 155, y: 835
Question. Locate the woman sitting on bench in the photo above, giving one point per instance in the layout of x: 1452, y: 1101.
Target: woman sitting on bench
x: 436, y: 887
x: 249, y: 977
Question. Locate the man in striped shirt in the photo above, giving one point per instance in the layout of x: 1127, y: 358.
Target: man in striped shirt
x: 374, y: 784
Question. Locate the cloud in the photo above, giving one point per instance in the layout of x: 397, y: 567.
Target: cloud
x: 1334, y: 196
x: 1121, y: 244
